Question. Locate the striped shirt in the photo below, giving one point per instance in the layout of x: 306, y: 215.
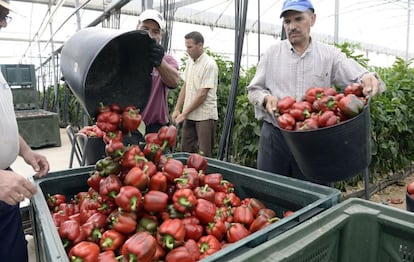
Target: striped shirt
x: 282, y: 72
x: 202, y: 73
x: 9, y: 135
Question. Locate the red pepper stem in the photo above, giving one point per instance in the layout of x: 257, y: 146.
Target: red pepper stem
x: 169, y: 241
x: 138, y: 157
x: 133, y: 203
x: 107, y: 242
x: 204, y: 247
x: 183, y: 201
x: 132, y: 258
x: 76, y: 259
x: 164, y: 144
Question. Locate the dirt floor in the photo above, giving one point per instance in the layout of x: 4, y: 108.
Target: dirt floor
x: 393, y: 195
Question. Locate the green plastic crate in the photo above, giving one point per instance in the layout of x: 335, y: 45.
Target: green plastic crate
x: 38, y: 127
x: 354, y: 230
x: 276, y: 192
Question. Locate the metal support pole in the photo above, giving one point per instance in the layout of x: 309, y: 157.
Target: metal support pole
x: 366, y: 180
x: 407, y: 45
x: 336, y: 33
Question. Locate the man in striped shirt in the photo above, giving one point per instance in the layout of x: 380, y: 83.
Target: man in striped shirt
x: 289, y: 68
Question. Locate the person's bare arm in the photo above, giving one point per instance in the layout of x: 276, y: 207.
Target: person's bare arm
x: 169, y: 74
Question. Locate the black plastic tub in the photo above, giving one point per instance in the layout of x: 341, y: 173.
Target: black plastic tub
x: 102, y: 65
x: 333, y: 153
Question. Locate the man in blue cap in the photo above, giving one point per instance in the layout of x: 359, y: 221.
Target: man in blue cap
x: 289, y: 68
x: 14, y: 188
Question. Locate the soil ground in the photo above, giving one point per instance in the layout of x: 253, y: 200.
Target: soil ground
x: 393, y: 195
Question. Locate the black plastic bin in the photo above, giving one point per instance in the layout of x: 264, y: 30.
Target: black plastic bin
x: 333, y: 153
x: 277, y: 192
x: 102, y: 65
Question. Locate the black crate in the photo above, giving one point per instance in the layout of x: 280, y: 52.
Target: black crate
x: 276, y: 192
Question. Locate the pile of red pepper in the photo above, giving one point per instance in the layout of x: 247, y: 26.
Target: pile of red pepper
x: 143, y: 205
x: 321, y: 107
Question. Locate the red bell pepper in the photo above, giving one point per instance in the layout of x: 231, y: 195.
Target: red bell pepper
x: 113, y: 135
x: 217, y: 229
x: 171, y: 233
x: 102, y: 108
x: 138, y: 178
x: 128, y: 198
x: 216, y: 182
x: 148, y: 225
x: 139, y: 247
x: 351, y: 105
x: 325, y: 103
x: 155, y: 201
x: 108, y: 256
x: 153, y: 152
x: 111, y: 240
x: 224, y: 214
x: 286, y: 121
x: 192, y: 246
x: 193, y: 229
x: 84, y: 251
x: 152, y: 138
x: 328, y: 118
x: 284, y: 104
x: 208, y: 245
x: 197, y: 161
x: 179, y: 254
x: 87, y: 208
x: 158, y: 182
x: 205, y: 211
x: 314, y: 93
x: 70, y: 233
x: 65, y: 208
x: 94, y: 179
x: 123, y: 222
x: 260, y: 222
x: 171, y: 212
x: 235, y: 232
x: 266, y: 212
x: 108, y: 121
x: 309, y: 124
x: 115, y: 149
x: 329, y: 91
x: 173, y: 169
x: 221, y: 199
x: 168, y: 136
x: 58, y: 218
x: 184, y: 200
x: 133, y: 156
x: 233, y: 199
x: 131, y: 119
x: 55, y: 200
x: 115, y: 107
x: 244, y: 215
x: 94, y: 227
x: 189, y: 179
x: 354, y: 88
x: 109, y: 186
x: 205, y: 192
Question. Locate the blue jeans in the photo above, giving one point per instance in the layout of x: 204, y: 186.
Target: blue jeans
x: 13, y: 245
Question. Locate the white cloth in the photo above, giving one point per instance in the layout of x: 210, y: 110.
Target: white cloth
x: 9, y: 134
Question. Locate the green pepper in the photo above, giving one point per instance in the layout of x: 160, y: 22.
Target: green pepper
x: 107, y: 166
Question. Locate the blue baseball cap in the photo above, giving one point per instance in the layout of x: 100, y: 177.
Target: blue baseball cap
x: 296, y: 5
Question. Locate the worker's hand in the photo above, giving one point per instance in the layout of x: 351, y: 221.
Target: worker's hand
x: 370, y: 85
x: 271, y: 104
x: 156, y: 54
x: 14, y: 188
